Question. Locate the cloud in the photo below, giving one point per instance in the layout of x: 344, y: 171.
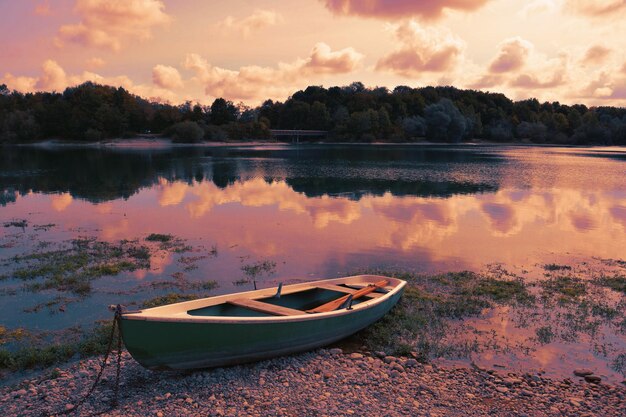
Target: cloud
x: 398, y: 9
x: 512, y: 55
x: 43, y: 8
x: 538, y: 6
x: 596, y: 55
x: 606, y: 86
x: 94, y: 63
x: 596, y: 8
x: 421, y: 50
x: 166, y: 77
x: 258, y: 20
x: 107, y: 23
x: 54, y: 78
x: 534, y: 81
x: 256, y: 82
x: 324, y: 60
x: 19, y: 83
x: 520, y: 71
x: 60, y: 202
x: 487, y: 81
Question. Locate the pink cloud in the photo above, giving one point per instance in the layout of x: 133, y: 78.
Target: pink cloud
x: 538, y: 6
x: 600, y: 88
x: 528, y: 80
x: 596, y: 8
x: 596, y: 55
x: 487, y: 81
x: 619, y: 91
x: 19, y: 83
x: 94, y: 63
x: 324, y: 60
x: 107, y: 23
x: 398, y: 9
x: 166, y: 77
x: 421, y: 50
x: 512, y: 55
x: 54, y: 78
x: 256, y: 82
x: 258, y: 20
x: 502, y: 216
x: 43, y: 8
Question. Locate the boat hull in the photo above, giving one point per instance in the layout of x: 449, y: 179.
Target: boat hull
x: 190, y: 345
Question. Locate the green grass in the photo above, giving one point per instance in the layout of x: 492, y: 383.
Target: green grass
x: 259, y: 268
x: 456, y: 278
x: 16, y: 223
x: 168, y: 299
x: 501, y: 291
x: 545, y: 335
x: 616, y: 283
x: 7, y: 335
x: 471, y: 284
x: 158, y: 237
x: 568, y: 287
x: 78, y: 262
x: 37, y: 355
x: 206, y: 285
x: 557, y: 267
x: 421, y: 319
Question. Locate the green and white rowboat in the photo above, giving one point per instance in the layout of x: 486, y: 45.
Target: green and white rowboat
x: 249, y: 326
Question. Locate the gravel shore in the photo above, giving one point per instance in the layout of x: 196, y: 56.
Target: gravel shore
x: 326, y: 382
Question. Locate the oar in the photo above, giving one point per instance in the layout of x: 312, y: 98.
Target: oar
x: 335, y: 304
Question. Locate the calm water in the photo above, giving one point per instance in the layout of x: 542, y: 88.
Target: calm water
x: 317, y: 211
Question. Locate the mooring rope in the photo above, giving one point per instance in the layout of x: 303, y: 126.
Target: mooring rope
x: 114, y: 402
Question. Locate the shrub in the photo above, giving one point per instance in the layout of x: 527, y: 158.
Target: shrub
x: 186, y: 132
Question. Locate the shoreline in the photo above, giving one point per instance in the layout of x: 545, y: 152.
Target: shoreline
x: 148, y: 143
x: 326, y: 382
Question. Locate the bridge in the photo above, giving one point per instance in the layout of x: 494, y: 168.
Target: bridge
x: 295, y: 135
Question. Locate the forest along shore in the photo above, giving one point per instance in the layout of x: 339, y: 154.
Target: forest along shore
x: 327, y: 382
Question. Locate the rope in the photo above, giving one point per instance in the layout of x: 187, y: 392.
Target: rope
x: 114, y: 402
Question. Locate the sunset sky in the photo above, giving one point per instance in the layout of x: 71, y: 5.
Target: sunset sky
x: 572, y: 51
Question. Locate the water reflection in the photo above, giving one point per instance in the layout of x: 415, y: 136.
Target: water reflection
x: 98, y: 175
x: 324, y: 206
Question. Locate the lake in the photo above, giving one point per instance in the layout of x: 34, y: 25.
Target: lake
x: 307, y: 212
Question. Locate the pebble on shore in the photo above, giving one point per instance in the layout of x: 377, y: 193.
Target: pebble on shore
x: 326, y: 382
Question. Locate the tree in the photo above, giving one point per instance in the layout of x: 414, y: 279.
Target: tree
x: 536, y: 132
x: 445, y: 122
x: 186, y: 132
x: 414, y: 127
x: 19, y: 126
x: 319, y: 117
x: 223, y: 112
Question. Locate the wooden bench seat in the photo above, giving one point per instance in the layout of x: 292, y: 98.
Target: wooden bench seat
x: 265, y: 307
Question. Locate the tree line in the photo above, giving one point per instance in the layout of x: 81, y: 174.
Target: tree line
x: 354, y: 113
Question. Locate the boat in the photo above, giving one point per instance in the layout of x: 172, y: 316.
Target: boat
x: 250, y: 326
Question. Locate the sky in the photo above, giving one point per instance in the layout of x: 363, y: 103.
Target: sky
x: 571, y: 51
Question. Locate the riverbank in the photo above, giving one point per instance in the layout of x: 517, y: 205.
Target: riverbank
x: 146, y: 142
x: 550, y: 318
x: 327, y: 382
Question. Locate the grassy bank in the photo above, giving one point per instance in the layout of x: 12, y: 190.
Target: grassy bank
x: 430, y: 321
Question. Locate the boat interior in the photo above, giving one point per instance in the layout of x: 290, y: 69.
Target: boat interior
x: 302, y: 301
